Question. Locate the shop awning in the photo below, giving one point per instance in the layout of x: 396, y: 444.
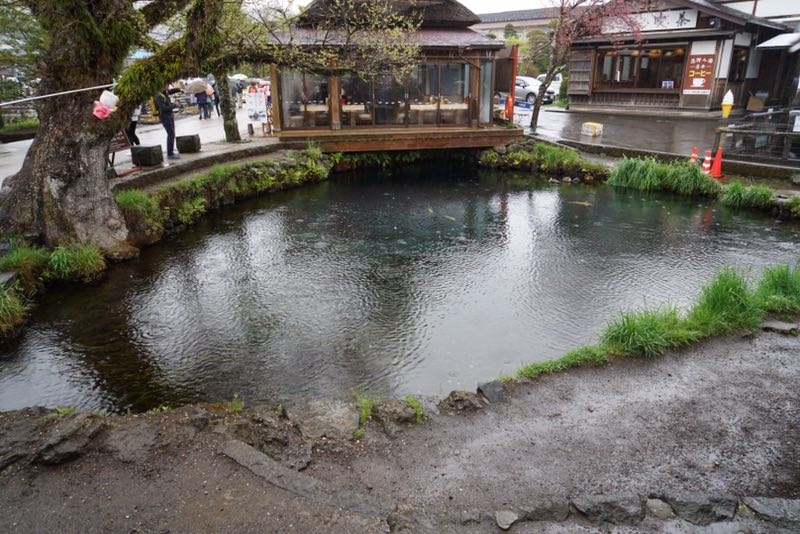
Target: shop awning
x: 784, y: 40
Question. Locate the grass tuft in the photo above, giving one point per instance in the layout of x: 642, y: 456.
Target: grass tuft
x: 12, y: 309
x: 74, y: 262
x: 591, y: 355
x: 647, y: 332
x: 725, y: 305
x: 365, y: 404
x: 738, y: 196
x: 778, y: 290
x: 235, y: 405
x: 415, y: 405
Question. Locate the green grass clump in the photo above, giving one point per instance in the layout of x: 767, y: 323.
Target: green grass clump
x: 365, y: 404
x: 647, y: 332
x: 132, y: 199
x: 60, y: 412
x: 414, y: 404
x: 738, y: 196
x: 235, y: 405
x: 74, y: 262
x: 20, y: 124
x: 725, y: 305
x: 190, y: 210
x: 778, y: 290
x: 794, y: 205
x: 574, y: 358
x: 688, y: 179
x: 28, y: 261
x: 642, y: 174
x: 12, y: 309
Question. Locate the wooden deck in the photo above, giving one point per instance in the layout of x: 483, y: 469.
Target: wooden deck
x: 412, y: 138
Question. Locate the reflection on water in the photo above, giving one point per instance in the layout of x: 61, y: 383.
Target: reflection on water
x: 425, y: 281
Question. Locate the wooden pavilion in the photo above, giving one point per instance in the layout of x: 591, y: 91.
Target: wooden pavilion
x: 445, y: 102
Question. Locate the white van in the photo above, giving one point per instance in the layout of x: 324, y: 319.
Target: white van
x: 555, y: 85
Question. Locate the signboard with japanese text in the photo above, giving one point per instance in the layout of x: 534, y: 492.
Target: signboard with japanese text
x: 674, y: 19
x: 699, y: 75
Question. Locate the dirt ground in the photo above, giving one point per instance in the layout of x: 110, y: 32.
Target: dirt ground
x: 720, y: 418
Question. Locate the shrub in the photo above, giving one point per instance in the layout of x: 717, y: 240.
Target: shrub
x: 647, y: 332
x: 725, y: 305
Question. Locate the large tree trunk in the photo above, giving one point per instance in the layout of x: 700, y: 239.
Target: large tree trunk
x: 228, y: 108
x: 61, y: 194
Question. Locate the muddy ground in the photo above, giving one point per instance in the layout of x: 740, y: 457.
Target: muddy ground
x: 719, y: 419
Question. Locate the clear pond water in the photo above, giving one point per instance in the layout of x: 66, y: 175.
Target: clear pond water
x: 420, y: 281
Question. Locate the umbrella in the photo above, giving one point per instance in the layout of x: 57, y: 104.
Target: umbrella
x: 196, y: 86
x: 239, y: 76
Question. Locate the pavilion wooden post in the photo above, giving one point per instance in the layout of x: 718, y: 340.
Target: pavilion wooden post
x: 277, y: 97
x: 474, y: 91
x: 335, y: 102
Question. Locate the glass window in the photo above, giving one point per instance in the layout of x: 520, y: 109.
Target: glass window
x: 486, y: 92
x: 650, y: 68
x: 304, y: 101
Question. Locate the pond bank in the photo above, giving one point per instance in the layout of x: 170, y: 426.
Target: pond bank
x: 703, y: 436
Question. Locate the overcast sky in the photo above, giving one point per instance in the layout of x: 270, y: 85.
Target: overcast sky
x: 497, y: 6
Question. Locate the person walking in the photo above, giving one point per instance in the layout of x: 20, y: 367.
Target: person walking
x: 165, y: 107
x: 202, y: 100
x: 130, y: 131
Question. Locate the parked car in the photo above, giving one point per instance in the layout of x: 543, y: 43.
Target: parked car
x: 527, y: 89
x: 555, y: 85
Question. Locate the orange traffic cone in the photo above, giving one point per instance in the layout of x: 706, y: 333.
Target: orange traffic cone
x: 716, y: 168
x: 693, y: 159
x: 707, y: 163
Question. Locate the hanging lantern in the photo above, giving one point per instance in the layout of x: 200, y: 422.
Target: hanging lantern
x: 655, y: 52
x: 680, y: 52
x: 635, y: 53
x: 611, y: 53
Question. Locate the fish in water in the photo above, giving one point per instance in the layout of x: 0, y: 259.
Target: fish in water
x: 580, y: 202
x: 449, y: 217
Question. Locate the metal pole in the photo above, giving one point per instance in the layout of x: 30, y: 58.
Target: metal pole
x: 56, y: 94
x: 717, y: 137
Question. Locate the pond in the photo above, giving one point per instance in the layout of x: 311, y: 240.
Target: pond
x: 421, y: 281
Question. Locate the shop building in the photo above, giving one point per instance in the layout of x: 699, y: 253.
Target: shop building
x: 690, y: 55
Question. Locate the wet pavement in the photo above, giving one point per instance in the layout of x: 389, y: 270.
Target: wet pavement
x: 212, y: 141
x: 675, y: 135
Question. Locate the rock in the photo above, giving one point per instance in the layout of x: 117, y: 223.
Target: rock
x: 70, y: 437
x: 618, y: 508
x: 547, y: 509
x: 501, y: 149
x: 796, y: 179
x: 784, y: 513
x: 195, y: 416
x: 779, y: 326
x: 460, y: 401
x: 8, y: 278
x: 188, y: 144
x: 404, y: 519
x: 324, y: 417
x: 505, y: 518
x: 494, y: 391
x: 146, y: 156
x: 660, y: 509
x: 700, y: 508
x: 465, y: 516
x: 395, y: 411
x: 131, y: 443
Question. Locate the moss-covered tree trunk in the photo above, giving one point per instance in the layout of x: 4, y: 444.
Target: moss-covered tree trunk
x: 228, y: 109
x: 61, y: 193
